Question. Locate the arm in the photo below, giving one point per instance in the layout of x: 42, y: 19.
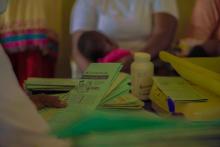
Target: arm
x: 205, y: 20
x: 42, y: 101
x: 83, y: 18
x: 162, y: 35
x: 80, y: 60
x: 165, y: 14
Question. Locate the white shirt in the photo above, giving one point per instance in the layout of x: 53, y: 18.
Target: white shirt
x: 20, y: 123
x: 128, y: 22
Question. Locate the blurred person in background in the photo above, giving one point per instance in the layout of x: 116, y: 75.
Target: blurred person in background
x: 140, y: 25
x: 28, y: 40
x: 203, y: 37
x: 20, y: 123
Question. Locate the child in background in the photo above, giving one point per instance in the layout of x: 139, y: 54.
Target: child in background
x: 98, y: 48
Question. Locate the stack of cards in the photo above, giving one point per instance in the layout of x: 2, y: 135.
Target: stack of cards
x: 49, y: 86
x: 102, y: 86
x: 119, y: 97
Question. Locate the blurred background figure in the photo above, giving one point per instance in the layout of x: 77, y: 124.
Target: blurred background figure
x: 20, y: 123
x: 28, y: 39
x: 139, y: 25
x: 203, y: 37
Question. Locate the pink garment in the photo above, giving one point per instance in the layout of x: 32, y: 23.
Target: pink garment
x: 205, y: 23
x: 114, y: 55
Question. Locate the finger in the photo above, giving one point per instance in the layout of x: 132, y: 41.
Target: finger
x: 36, y: 100
x: 39, y: 105
x: 51, y: 101
x: 58, y: 103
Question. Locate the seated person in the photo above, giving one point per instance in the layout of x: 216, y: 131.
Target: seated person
x: 96, y: 47
x: 144, y: 26
x: 203, y: 38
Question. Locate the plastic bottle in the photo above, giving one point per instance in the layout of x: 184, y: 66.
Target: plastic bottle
x: 142, y: 70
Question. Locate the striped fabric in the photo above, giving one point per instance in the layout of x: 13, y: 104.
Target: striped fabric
x: 29, y: 39
x: 16, y: 41
x: 24, y: 27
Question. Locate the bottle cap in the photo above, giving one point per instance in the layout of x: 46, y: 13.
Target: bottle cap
x: 140, y: 56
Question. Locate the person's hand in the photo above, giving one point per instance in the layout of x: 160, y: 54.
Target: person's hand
x: 179, y: 52
x: 42, y: 100
x: 212, y: 47
x: 206, y: 49
x: 185, y: 46
x: 126, y: 61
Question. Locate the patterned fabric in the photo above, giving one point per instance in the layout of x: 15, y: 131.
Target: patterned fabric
x: 32, y: 64
x: 27, y: 38
x: 24, y: 26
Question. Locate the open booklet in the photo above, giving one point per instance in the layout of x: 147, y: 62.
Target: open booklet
x: 101, y: 86
x: 171, y: 94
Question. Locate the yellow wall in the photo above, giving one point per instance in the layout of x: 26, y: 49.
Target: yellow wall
x: 65, y: 39
x: 67, y: 6
x: 185, y: 10
x: 59, y: 12
x: 54, y: 9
